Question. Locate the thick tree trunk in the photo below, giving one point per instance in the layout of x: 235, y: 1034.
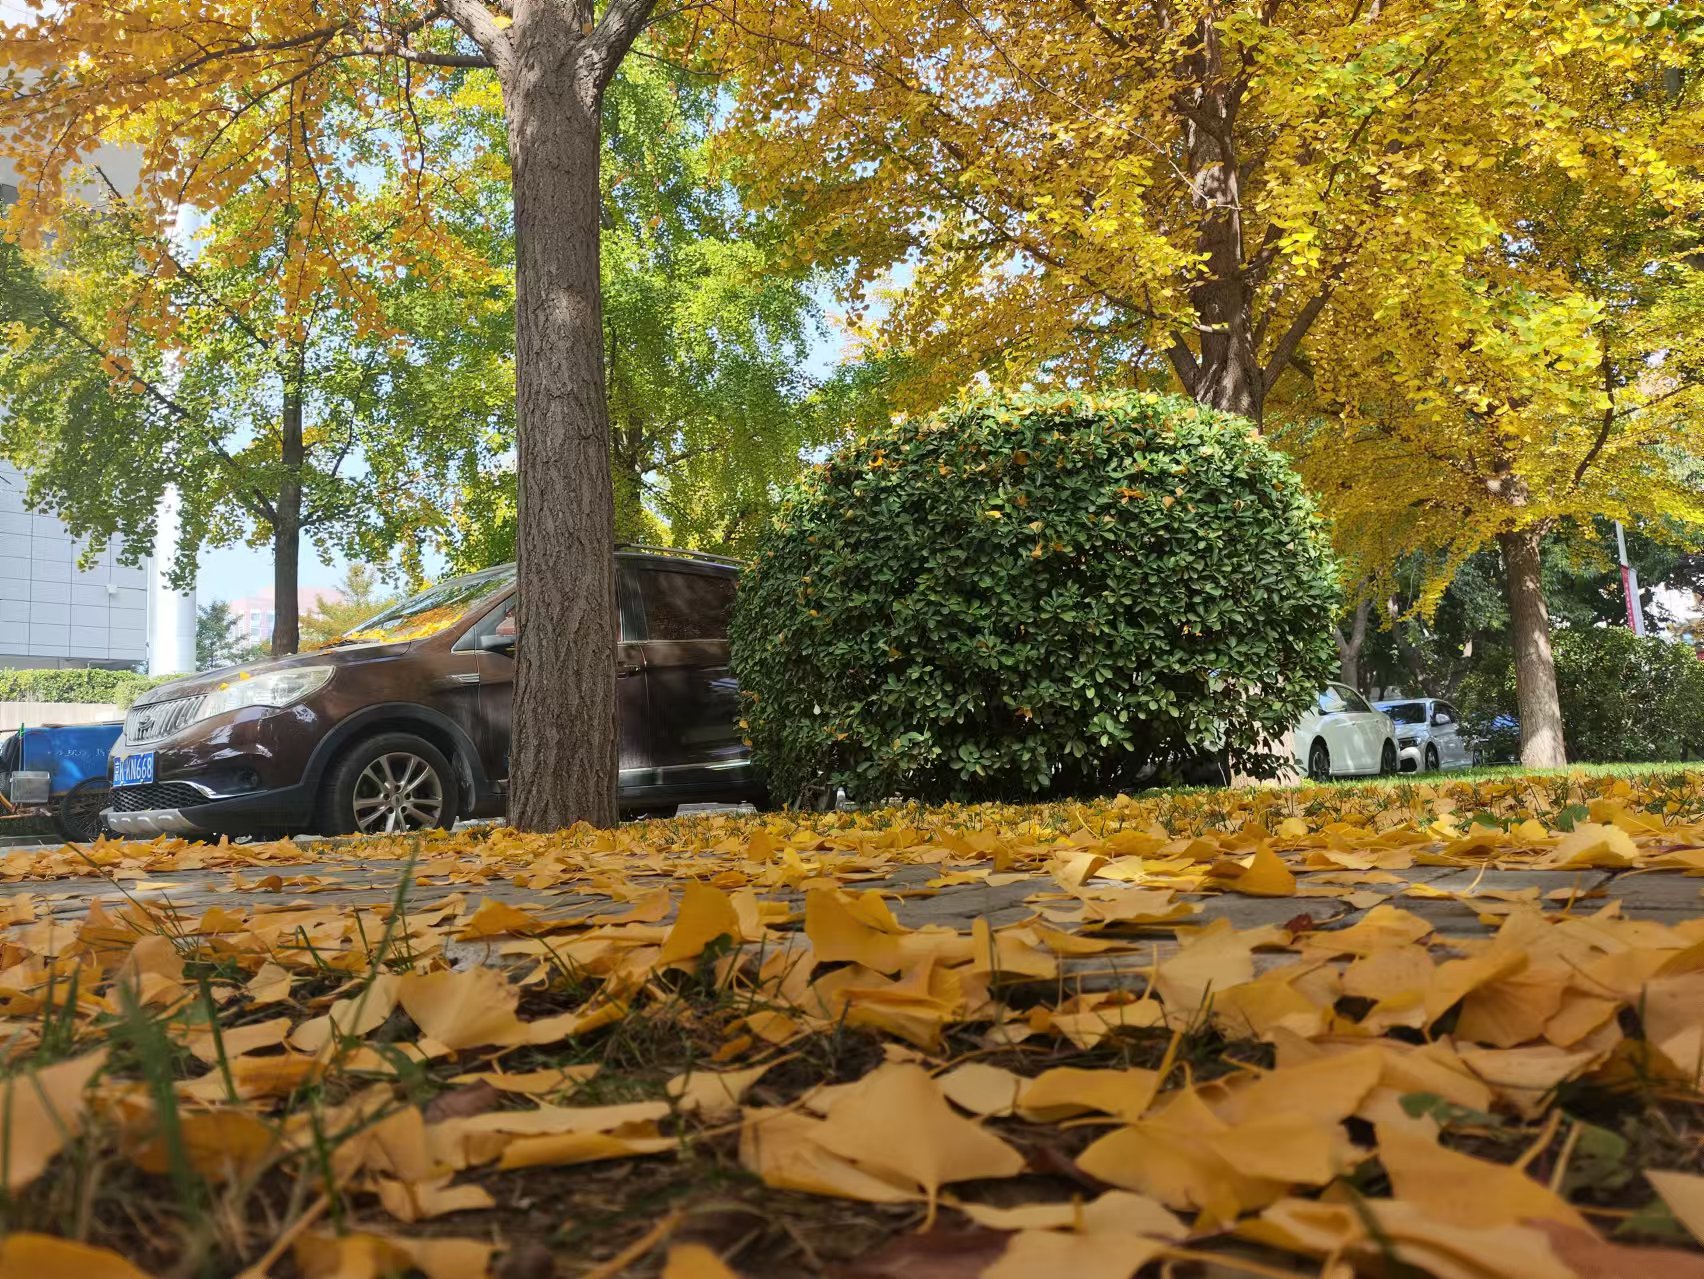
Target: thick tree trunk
x: 1535, y: 668
x: 563, y: 753
x: 1226, y: 373
x: 287, y: 532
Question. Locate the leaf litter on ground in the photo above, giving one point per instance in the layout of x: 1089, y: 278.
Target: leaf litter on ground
x: 713, y: 1047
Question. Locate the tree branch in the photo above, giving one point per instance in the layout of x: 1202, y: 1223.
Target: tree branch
x: 473, y: 17
x: 1183, y: 362
x: 616, y: 31
x: 426, y: 57
x: 1607, y: 367
x: 1292, y: 339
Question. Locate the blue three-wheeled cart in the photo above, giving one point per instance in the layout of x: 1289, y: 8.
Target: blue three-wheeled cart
x: 58, y: 772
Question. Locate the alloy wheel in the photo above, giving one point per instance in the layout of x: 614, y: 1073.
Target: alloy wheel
x: 397, y: 792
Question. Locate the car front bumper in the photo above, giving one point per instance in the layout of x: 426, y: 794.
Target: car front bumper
x: 284, y: 810
x: 150, y: 823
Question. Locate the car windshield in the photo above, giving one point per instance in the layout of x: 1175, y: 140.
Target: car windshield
x: 1406, y: 712
x: 430, y: 611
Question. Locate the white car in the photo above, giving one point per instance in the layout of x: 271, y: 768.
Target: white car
x: 1428, y: 735
x: 1343, y: 737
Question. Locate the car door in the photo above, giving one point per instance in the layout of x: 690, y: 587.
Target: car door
x: 497, y: 691
x: 694, y: 701
x: 1363, y: 729
x: 1329, y: 722
x: 1453, y: 748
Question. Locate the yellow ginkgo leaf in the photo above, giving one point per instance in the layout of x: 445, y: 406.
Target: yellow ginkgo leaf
x: 897, y: 1121
x: 1683, y: 1192
x: 1460, y: 1190
x: 1070, y: 1090
x: 1049, y: 1254
x: 695, y: 1261
x: 30, y: 1256
x: 41, y: 1110
x: 705, y: 914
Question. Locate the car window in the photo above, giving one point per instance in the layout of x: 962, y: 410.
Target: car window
x: 431, y: 611
x: 682, y: 605
x: 1352, y: 701
x: 1405, y: 712
x: 1330, y: 701
x: 1444, y: 714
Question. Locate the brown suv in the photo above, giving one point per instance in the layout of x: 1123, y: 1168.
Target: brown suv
x: 404, y: 723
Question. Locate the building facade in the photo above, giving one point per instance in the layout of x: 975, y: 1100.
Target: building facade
x: 56, y: 610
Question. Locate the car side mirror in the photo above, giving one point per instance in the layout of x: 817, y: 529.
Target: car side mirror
x: 496, y: 643
x: 1438, y: 721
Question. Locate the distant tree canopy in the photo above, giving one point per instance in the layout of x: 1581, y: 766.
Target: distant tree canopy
x: 216, y: 640
x: 361, y: 594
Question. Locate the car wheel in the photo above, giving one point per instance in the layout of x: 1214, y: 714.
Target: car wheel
x: 1387, y: 759
x: 79, y: 813
x: 1431, y: 759
x: 388, y: 784
x: 1319, y: 762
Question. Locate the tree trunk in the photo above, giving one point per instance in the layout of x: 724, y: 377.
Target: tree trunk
x: 287, y: 531
x: 1535, y: 668
x: 563, y: 752
x: 1349, y: 646
x: 1226, y: 373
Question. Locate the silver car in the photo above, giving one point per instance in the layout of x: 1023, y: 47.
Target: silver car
x: 1429, y: 735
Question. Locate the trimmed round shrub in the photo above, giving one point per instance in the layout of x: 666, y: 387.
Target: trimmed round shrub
x: 1038, y: 594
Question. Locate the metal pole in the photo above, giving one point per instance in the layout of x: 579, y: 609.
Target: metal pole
x: 1629, y: 584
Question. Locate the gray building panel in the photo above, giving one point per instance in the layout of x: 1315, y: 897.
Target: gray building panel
x: 55, y: 611
x: 50, y: 641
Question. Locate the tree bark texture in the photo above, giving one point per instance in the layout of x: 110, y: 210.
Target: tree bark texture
x: 1227, y: 374
x: 1349, y: 645
x: 1535, y: 668
x: 563, y: 756
x: 287, y: 530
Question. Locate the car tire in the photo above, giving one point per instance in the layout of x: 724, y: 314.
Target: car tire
x: 1319, y: 761
x: 389, y: 784
x: 1431, y: 758
x: 1388, y: 760
x: 78, y: 815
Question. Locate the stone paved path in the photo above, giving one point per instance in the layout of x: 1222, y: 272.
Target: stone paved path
x: 1664, y: 896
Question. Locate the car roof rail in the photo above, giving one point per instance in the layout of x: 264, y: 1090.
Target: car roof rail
x: 678, y: 552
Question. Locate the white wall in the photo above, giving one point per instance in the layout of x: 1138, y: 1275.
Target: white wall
x: 52, y: 609
x: 34, y: 714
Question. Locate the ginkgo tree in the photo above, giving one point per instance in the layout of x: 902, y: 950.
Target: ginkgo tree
x: 1123, y: 191
x: 1557, y: 379
x: 301, y: 95
x: 301, y: 436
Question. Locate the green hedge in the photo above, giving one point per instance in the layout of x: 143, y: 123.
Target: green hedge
x: 1038, y: 594
x: 1624, y: 698
x: 118, y: 687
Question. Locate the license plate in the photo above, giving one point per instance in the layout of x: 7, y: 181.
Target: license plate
x: 133, y: 770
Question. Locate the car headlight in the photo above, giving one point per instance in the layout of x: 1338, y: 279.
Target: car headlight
x: 277, y: 688
x: 1406, y: 739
